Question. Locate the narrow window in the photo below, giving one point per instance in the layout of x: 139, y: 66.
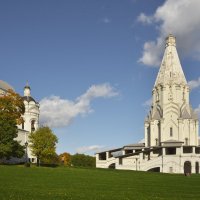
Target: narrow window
x: 186, y: 141
x: 32, y: 125
x: 156, y: 142
x: 171, y: 131
x: 120, y: 161
x: 23, y: 125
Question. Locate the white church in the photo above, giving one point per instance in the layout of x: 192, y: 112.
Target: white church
x: 31, y: 121
x: 171, y: 127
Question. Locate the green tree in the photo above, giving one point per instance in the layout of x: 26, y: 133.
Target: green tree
x: 82, y: 160
x: 11, y: 111
x: 43, y: 144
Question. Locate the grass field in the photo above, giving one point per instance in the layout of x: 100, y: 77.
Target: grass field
x: 18, y: 182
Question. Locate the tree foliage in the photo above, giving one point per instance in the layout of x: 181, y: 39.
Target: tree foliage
x: 65, y: 159
x: 82, y: 160
x: 12, y: 106
x: 43, y: 144
x: 11, y: 111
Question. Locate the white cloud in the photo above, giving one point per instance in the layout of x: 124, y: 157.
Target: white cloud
x: 147, y: 103
x: 194, y: 83
x: 182, y: 19
x: 92, y: 148
x: 145, y: 19
x: 57, y: 112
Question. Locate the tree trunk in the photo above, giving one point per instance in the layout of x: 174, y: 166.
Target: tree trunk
x: 38, y: 161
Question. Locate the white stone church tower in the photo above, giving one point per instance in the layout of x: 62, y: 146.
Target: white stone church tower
x: 171, y: 117
x: 31, y: 121
x: 171, y: 127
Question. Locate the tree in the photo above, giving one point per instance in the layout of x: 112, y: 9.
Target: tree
x: 12, y: 105
x: 65, y: 159
x: 43, y: 144
x: 81, y: 160
x: 11, y: 111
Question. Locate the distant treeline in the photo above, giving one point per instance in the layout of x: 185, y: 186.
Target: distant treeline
x: 76, y: 160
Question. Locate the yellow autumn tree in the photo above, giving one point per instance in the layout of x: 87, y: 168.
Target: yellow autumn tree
x: 11, y: 111
x: 65, y: 159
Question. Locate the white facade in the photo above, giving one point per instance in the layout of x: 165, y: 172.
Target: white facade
x: 171, y: 127
x: 31, y: 120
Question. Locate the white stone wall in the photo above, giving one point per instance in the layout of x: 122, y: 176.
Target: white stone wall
x: 166, y: 163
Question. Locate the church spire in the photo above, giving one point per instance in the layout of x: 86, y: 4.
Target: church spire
x: 170, y: 69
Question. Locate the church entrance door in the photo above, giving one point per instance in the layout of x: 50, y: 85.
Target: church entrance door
x: 187, y: 168
x: 197, y: 167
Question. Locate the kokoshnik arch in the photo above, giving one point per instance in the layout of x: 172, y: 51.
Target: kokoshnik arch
x: 171, y: 127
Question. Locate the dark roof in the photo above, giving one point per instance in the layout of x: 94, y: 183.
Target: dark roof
x: 27, y: 86
x: 28, y: 99
x: 135, y: 145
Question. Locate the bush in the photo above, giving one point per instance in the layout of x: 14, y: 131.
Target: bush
x: 27, y: 164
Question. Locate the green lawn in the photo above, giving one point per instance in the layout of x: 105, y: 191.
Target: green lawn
x: 18, y: 182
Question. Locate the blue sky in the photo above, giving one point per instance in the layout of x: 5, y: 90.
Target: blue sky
x: 92, y: 64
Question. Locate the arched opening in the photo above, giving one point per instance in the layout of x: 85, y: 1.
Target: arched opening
x: 155, y: 169
x: 32, y: 125
x: 111, y: 166
x: 197, y: 167
x: 187, y: 168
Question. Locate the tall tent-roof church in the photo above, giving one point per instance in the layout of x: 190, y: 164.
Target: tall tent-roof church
x: 31, y: 121
x: 171, y: 126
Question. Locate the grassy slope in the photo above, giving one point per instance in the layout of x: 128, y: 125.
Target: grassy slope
x: 92, y: 184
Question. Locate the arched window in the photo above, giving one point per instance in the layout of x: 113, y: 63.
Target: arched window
x: 32, y: 125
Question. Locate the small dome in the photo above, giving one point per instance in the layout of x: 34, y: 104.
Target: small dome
x: 5, y: 86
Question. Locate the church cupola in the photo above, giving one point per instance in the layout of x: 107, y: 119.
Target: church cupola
x: 27, y: 91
